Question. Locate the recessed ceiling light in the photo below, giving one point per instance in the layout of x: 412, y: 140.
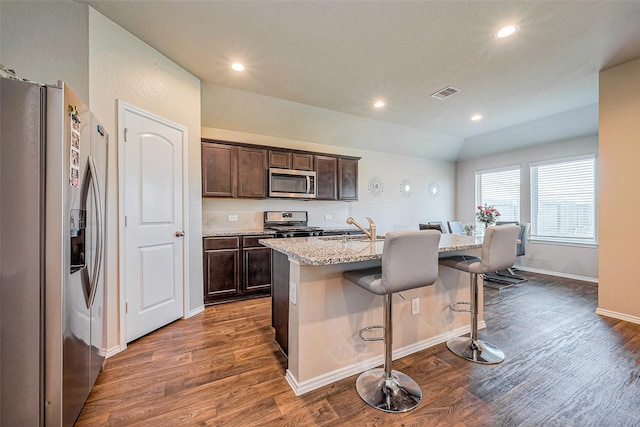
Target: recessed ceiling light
x: 476, y: 117
x: 379, y: 104
x: 506, y: 31
x: 237, y: 66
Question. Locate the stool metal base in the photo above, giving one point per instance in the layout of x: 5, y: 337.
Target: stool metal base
x: 476, y: 351
x: 396, y: 394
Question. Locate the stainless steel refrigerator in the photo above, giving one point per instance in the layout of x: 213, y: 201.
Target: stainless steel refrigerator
x: 53, y: 163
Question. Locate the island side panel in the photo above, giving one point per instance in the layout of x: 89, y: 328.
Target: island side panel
x: 280, y: 299
x: 330, y: 312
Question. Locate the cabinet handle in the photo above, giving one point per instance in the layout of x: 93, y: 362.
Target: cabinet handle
x: 179, y: 233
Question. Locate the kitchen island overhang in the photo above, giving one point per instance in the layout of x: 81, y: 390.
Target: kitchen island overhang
x: 317, y: 314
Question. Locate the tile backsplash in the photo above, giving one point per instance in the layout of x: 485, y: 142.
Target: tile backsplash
x: 248, y: 214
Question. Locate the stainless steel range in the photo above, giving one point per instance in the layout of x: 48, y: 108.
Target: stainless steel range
x: 290, y: 224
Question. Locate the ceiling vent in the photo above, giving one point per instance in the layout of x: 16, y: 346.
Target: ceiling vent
x: 445, y: 93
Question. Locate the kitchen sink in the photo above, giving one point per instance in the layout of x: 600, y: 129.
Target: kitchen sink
x: 354, y: 237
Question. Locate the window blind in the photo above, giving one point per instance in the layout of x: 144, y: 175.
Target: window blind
x: 563, y: 199
x: 500, y: 188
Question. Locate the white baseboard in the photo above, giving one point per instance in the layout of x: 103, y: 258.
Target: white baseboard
x: 300, y: 388
x: 558, y: 274
x: 113, y: 351
x: 619, y: 316
x: 195, y: 311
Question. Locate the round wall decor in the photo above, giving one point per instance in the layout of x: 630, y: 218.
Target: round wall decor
x: 406, y: 188
x: 433, y: 190
x: 376, y: 187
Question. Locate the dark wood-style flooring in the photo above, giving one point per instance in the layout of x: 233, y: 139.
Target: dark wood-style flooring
x: 565, y: 366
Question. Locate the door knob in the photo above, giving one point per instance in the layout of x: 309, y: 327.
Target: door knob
x: 179, y: 233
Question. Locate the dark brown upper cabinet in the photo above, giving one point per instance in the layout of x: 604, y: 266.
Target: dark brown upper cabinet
x: 252, y: 172
x: 219, y: 170
x: 284, y: 159
x: 279, y: 159
x: 326, y: 174
x: 303, y: 162
x: 347, y: 179
x: 233, y: 171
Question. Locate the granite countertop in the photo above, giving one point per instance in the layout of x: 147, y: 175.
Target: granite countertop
x: 254, y: 232
x: 342, y: 230
x: 332, y: 250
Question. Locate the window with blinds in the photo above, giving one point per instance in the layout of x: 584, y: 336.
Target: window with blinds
x: 500, y: 188
x: 563, y: 200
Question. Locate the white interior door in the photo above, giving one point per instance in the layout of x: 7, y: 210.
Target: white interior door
x: 154, y: 245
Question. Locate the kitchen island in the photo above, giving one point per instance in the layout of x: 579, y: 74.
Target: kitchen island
x: 317, y: 315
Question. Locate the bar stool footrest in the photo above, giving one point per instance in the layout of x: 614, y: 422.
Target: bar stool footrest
x: 368, y: 328
x: 395, y: 394
x: 454, y: 306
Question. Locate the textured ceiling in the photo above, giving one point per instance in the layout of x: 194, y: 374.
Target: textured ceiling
x: 341, y: 55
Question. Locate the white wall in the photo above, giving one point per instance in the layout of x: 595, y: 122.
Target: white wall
x: 123, y: 67
x: 561, y: 259
x: 63, y: 40
x: 390, y: 211
x: 47, y: 41
x: 619, y: 289
x: 226, y: 108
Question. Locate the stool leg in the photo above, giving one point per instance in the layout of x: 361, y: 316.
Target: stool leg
x: 474, y: 349
x: 384, y: 388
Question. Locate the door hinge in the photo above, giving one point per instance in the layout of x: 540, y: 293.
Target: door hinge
x: 126, y: 307
x: 125, y: 220
x: 125, y: 134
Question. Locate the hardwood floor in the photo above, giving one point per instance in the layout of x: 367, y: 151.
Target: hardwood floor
x: 565, y: 366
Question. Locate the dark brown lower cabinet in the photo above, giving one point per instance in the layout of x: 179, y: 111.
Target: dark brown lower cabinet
x: 236, y: 268
x: 256, y: 265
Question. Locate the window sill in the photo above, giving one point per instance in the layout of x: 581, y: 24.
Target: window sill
x: 563, y: 242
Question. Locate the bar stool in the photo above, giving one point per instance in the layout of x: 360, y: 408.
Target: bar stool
x: 409, y: 260
x: 498, y: 252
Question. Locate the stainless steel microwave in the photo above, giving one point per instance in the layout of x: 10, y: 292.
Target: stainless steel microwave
x: 292, y: 183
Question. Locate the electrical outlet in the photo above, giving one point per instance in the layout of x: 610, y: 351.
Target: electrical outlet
x: 232, y: 218
x: 293, y: 293
x: 328, y: 217
x: 415, y: 306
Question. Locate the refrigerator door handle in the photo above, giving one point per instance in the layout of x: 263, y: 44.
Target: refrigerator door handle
x: 92, y: 177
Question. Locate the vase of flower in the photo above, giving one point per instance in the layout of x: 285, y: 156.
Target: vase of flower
x: 487, y: 214
x: 468, y: 228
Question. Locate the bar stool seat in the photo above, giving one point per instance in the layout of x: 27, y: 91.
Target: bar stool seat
x: 409, y: 260
x: 498, y: 252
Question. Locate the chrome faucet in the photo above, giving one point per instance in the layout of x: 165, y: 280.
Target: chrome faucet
x: 371, y: 234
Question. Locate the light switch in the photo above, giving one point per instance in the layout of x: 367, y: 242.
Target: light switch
x: 328, y: 217
x: 415, y: 306
x: 232, y: 218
